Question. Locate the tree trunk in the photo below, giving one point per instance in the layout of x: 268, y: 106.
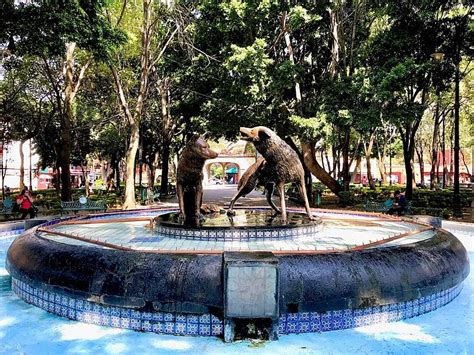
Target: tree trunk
x: 150, y: 175
x: 289, y: 48
x: 22, y: 166
x: 419, y: 153
x: 356, y: 169
x: 133, y: 120
x: 57, y: 178
x: 166, y: 134
x: 316, y: 169
x: 451, y: 161
x: 408, y: 157
x: 434, y: 148
x: 86, y: 180
x: 381, y: 153
x: 464, y: 162
x: 165, y: 155
x: 322, y: 160
x: 117, y: 177
x: 345, y: 159
x: 104, y: 171
x: 329, y: 169
x: 66, y: 122
x: 335, y: 44
x: 87, y: 184
x: 334, y: 162
x: 368, y: 152
x: 130, y: 155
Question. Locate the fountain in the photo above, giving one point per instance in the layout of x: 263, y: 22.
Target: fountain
x: 252, y: 273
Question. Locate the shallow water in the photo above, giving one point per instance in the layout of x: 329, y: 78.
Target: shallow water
x: 25, y: 329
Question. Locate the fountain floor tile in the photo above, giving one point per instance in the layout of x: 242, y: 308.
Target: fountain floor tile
x: 356, y: 229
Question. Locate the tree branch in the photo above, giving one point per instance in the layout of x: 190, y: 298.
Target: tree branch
x: 80, y: 77
x: 121, y: 95
x: 165, y: 46
x: 124, y: 5
x: 53, y: 83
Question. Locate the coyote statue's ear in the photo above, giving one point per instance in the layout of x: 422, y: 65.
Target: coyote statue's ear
x: 194, y: 137
x: 264, y: 133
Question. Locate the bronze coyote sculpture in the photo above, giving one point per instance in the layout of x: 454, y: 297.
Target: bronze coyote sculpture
x: 280, y: 165
x: 189, y: 179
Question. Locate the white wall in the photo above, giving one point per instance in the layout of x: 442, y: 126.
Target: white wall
x: 11, y: 161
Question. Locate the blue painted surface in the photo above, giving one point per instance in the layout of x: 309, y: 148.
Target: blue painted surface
x: 25, y: 329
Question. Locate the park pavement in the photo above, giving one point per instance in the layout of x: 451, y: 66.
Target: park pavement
x: 222, y: 195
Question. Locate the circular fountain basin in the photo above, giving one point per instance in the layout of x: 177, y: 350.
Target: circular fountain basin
x: 244, y: 225
x: 357, y: 269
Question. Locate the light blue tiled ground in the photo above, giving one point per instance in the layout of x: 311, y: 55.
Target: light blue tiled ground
x: 25, y: 329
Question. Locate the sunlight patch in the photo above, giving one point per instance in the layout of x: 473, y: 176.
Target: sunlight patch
x: 83, y: 331
x: 398, y: 330
x: 115, y: 348
x: 171, y: 344
x: 5, y: 322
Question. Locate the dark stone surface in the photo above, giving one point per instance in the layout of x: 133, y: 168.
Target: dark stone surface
x: 122, y: 278
x: 194, y: 282
x: 371, y: 277
x: 33, y: 222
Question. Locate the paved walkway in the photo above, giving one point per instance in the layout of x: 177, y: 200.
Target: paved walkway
x: 222, y: 194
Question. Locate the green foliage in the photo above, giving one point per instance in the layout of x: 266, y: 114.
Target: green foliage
x: 60, y: 22
x: 229, y: 65
x: 309, y: 129
x: 247, y: 68
x: 298, y: 17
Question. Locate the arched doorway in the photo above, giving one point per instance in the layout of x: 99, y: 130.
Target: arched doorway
x: 232, y: 173
x: 216, y: 173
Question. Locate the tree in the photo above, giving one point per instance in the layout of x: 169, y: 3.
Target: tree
x: 401, y: 67
x: 154, y: 40
x: 24, y: 103
x: 65, y: 26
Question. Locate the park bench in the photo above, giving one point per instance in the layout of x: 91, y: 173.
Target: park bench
x: 383, y: 207
x: 6, y: 208
x: 376, y: 206
x: 150, y: 196
x: 83, y: 204
x: 171, y: 192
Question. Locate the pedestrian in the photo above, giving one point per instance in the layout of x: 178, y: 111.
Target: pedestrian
x: 25, y: 201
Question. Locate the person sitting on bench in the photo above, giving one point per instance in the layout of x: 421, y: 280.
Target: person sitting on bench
x: 399, y: 204
x: 25, y: 201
